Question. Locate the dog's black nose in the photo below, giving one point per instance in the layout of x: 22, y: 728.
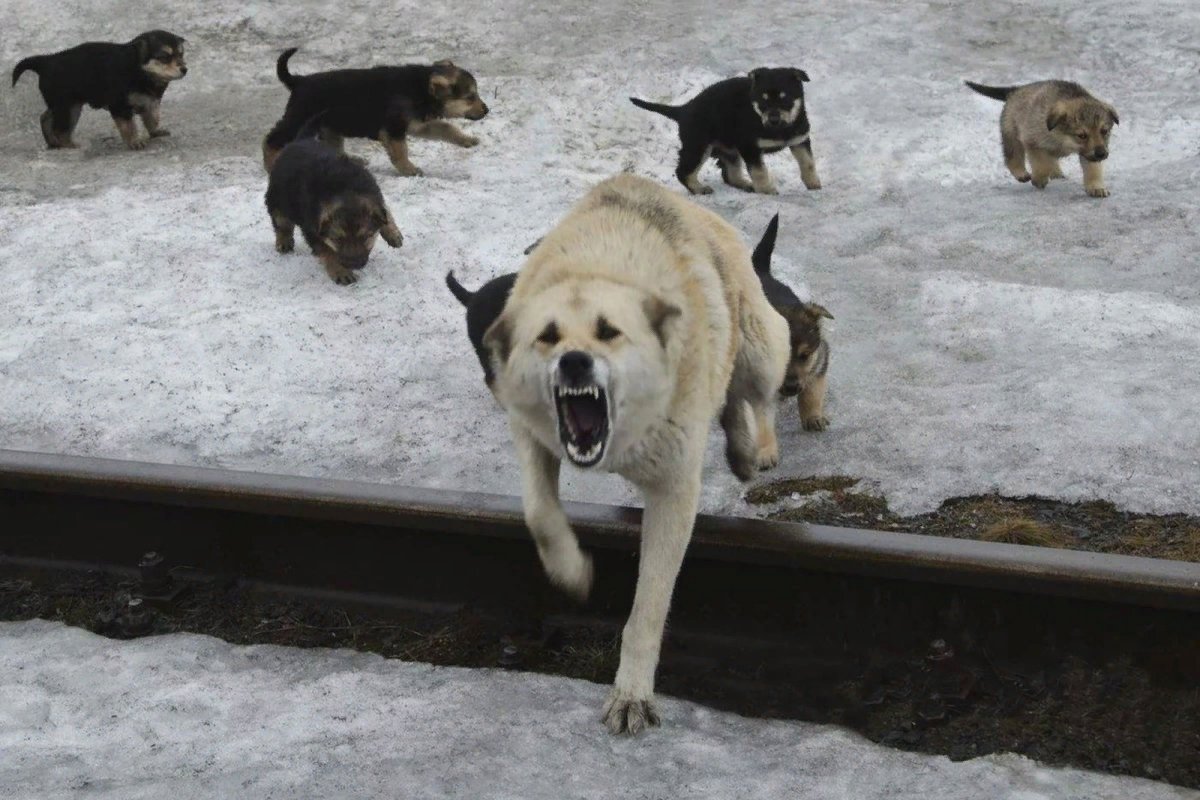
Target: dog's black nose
x: 1099, y: 154
x: 575, y: 366
x: 182, y: 71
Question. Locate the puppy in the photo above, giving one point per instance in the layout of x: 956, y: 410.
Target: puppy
x: 123, y: 78
x: 738, y: 120
x: 809, y: 356
x: 333, y: 199
x: 635, y: 322
x: 483, y: 307
x: 1049, y: 120
x: 387, y: 104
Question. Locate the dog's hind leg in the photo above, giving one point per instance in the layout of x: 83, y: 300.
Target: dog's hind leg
x: 58, y: 123
x: 397, y: 150
x: 666, y: 529
x: 285, y: 232
x: 692, y: 154
x: 741, y: 445
x: 808, y: 167
x: 567, y: 567
x: 284, y: 131
x: 733, y: 171
x: 1042, y: 167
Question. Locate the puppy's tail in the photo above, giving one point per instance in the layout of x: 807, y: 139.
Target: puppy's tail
x: 761, y: 258
x: 670, y: 112
x: 310, y: 129
x: 994, y: 92
x: 281, y: 68
x: 32, y: 63
x: 458, y: 290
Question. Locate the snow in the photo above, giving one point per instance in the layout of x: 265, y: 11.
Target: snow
x: 192, y: 717
x: 988, y: 336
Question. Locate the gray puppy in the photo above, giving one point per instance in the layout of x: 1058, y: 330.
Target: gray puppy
x: 1049, y: 120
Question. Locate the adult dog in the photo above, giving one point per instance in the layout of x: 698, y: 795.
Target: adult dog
x: 634, y: 322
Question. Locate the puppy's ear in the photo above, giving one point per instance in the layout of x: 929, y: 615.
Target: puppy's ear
x: 445, y: 62
x: 142, y: 44
x: 440, y: 85
x: 1057, y: 116
x: 1112, y: 112
x: 325, y: 219
x: 659, y: 313
x: 801, y: 74
x: 498, y: 338
x: 756, y: 75
x: 819, y: 311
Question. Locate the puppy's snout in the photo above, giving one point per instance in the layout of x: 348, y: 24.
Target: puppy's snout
x: 1099, y: 154
x: 354, y: 260
x: 480, y: 112
x: 575, y: 367
x: 182, y: 70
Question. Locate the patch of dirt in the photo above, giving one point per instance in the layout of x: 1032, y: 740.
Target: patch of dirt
x: 1097, y: 526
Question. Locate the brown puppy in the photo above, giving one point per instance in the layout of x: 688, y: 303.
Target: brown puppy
x: 1049, y: 120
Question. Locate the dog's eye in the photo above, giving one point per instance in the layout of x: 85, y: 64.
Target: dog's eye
x: 1081, y: 136
x: 549, y: 335
x: 604, y: 331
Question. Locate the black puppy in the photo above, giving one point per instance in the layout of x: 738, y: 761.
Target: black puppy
x: 483, y: 307
x: 808, y: 364
x: 738, y: 120
x: 333, y: 199
x: 387, y: 104
x: 123, y: 78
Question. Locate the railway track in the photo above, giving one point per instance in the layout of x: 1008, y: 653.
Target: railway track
x: 943, y: 645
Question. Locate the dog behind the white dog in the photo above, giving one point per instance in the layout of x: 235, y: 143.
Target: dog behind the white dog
x: 634, y: 322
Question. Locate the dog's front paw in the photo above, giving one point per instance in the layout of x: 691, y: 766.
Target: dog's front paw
x: 157, y: 132
x: 1097, y: 191
x: 138, y: 144
x: 344, y: 278
x: 815, y: 423
x: 700, y: 188
x: 625, y: 712
x: 813, y: 185
x: 392, y: 236
x: 571, y: 571
x: 1024, y: 177
x: 767, y: 188
x: 410, y: 171
x: 768, y: 457
x: 285, y: 245
x: 468, y: 141
x: 1040, y: 182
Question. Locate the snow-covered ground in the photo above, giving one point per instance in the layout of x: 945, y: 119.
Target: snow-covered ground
x: 192, y: 717
x: 988, y: 336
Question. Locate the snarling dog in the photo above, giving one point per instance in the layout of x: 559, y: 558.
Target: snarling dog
x: 808, y: 362
x: 483, y: 308
x: 333, y: 199
x: 635, y: 322
x: 1049, y: 120
x: 386, y: 104
x: 123, y: 78
x: 737, y: 121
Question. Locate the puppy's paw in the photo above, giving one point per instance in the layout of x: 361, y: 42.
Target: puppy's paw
x: 138, y: 144
x: 344, y: 278
x: 410, y: 171
x: 815, y: 423
x: 1056, y: 174
x: 768, y: 458
x: 572, y: 571
x: 700, y: 188
x: 392, y: 235
x: 1024, y: 177
x: 285, y: 245
x: 468, y: 141
x: 154, y: 134
x: 767, y: 188
x: 626, y: 712
x: 1040, y: 182
x: 813, y: 185
x: 1097, y: 191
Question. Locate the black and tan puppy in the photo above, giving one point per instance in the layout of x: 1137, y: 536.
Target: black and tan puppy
x: 483, y: 305
x: 387, y: 104
x: 738, y: 120
x: 123, y: 78
x: 1049, y: 120
x: 808, y: 366
x: 333, y: 199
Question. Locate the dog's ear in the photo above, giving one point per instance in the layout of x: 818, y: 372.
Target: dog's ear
x: 659, y: 313
x: 818, y: 310
x: 325, y: 219
x: 497, y: 339
x: 379, y: 217
x: 801, y: 74
x: 1112, y: 112
x: 756, y: 75
x: 1056, y: 117
x: 440, y: 85
x: 445, y: 63
x: 142, y: 45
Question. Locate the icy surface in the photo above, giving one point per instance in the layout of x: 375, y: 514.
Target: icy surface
x: 988, y: 336
x: 187, y: 716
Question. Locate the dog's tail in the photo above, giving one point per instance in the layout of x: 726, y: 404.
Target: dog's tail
x: 670, y: 112
x: 458, y: 290
x: 761, y: 259
x: 994, y: 92
x: 311, y: 129
x: 281, y: 68
x: 32, y: 63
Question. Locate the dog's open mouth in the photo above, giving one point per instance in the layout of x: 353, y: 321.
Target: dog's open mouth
x: 582, y: 422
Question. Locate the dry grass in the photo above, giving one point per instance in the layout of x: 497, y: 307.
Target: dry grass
x: 1022, y: 530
